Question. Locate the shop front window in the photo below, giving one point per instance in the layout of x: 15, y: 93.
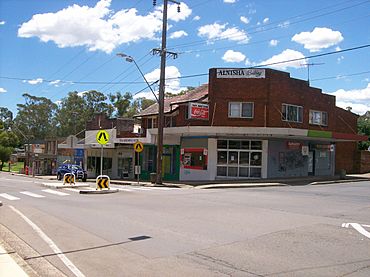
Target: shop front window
x: 239, y: 158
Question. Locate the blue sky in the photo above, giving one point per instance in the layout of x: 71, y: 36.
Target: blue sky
x: 48, y: 48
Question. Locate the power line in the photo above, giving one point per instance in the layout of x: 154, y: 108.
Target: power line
x: 258, y: 29
x: 268, y: 64
x: 205, y: 74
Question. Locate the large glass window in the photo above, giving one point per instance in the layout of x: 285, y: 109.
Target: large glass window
x: 318, y: 118
x: 239, y: 158
x: 241, y: 109
x: 292, y: 113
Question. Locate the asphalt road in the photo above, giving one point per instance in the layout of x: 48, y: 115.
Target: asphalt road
x: 275, y: 231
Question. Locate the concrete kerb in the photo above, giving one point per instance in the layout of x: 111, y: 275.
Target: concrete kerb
x: 99, y: 191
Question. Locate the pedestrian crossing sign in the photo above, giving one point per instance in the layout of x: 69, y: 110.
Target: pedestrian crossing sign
x: 102, y: 137
x: 138, y: 147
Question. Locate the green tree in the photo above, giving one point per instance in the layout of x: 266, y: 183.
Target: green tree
x: 5, y: 153
x: 6, y: 118
x: 363, y: 125
x: 95, y: 102
x: 9, y: 139
x: 145, y: 103
x: 121, y: 103
x: 36, y: 118
x: 70, y: 115
x: 77, y: 108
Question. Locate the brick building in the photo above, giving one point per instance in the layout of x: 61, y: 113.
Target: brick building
x: 251, y: 123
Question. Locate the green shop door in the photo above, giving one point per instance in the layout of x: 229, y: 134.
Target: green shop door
x: 170, y: 163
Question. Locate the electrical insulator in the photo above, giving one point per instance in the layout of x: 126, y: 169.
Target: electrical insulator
x: 178, y: 8
x: 154, y: 2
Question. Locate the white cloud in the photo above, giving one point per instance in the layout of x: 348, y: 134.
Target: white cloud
x: 359, y: 109
x: 34, y: 82
x: 286, y: 55
x: 284, y: 24
x: 244, y: 19
x: 218, y: 31
x: 2, y: 90
x: 266, y: 20
x: 339, y: 59
x: 273, y: 42
x: 172, y: 76
x: 358, y: 99
x: 2, y: 22
x: 179, y: 34
x: 337, y: 48
x: 98, y: 28
x: 82, y: 93
x: 319, y: 38
x: 55, y: 83
x: 176, y: 16
x: 196, y: 18
x: 229, y: 1
x: 231, y: 56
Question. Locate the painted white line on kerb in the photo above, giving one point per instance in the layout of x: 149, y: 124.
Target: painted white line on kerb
x: 32, y: 194
x: 51, y: 244
x: 8, y: 196
x: 55, y: 192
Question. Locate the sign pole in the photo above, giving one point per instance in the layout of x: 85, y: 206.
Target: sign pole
x: 101, y: 161
x: 138, y: 163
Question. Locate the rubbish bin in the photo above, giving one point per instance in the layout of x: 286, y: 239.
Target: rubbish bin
x: 153, y: 177
x: 343, y: 174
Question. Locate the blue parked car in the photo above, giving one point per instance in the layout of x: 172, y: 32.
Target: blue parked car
x: 77, y: 170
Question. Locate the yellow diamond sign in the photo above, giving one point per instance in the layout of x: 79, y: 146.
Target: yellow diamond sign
x: 138, y: 147
x: 102, y: 137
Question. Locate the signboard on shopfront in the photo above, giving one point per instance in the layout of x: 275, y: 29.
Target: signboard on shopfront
x: 246, y: 73
x: 198, y: 111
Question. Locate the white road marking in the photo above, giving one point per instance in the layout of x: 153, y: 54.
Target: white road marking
x: 55, y: 192
x: 358, y: 228
x: 72, y: 189
x: 51, y: 244
x: 8, y: 196
x: 32, y: 194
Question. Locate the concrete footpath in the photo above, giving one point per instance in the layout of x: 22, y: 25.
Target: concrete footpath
x: 8, y: 267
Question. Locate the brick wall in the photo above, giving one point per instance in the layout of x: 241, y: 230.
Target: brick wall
x: 364, y: 162
x: 346, y: 157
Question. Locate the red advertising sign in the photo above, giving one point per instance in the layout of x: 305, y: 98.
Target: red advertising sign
x: 293, y: 145
x: 198, y: 111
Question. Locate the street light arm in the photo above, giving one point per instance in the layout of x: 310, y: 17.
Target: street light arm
x: 131, y: 59
x: 142, y: 74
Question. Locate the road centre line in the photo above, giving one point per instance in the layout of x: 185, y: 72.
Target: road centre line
x: 8, y: 196
x: 51, y: 244
x: 55, y: 192
x: 32, y: 194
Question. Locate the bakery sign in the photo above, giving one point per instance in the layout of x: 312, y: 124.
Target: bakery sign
x: 246, y: 73
x: 198, y: 111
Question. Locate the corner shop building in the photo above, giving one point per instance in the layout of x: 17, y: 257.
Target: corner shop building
x: 251, y: 123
